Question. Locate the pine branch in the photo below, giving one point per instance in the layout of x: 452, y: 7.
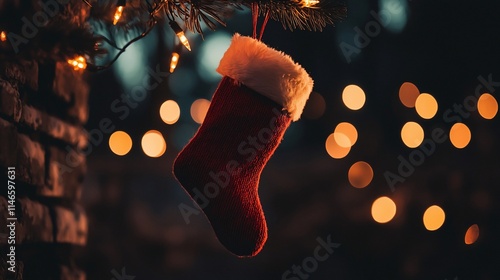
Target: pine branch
x: 293, y: 15
x: 143, y: 15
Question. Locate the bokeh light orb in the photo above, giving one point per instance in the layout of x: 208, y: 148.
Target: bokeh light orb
x: 434, y: 218
x: 170, y: 112
x: 342, y: 140
x: 487, y: 106
x: 334, y: 149
x: 426, y: 106
x: 199, y: 110
x: 153, y: 144
x: 120, y: 143
x: 360, y: 174
x: 408, y: 93
x: 412, y: 134
x: 472, y: 234
x: 398, y: 11
x: 348, y: 130
x: 383, y: 210
x: 460, y: 135
x: 210, y: 54
x: 315, y: 106
x: 353, y: 97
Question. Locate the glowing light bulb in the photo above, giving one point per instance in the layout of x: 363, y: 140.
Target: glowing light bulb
x: 180, y: 34
x: 173, y: 61
x: 184, y: 40
x: 309, y: 3
x: 118, y: 13
x: 79, y: 63
x: 3, y: 36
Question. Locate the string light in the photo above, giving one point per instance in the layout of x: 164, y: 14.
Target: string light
x: 309, y: 3
x: 173, y: 61
x: 79, y: 63
x: 301, y: 14
x: 120, y: 5
x: 3, y: 36
x: 180, y: 34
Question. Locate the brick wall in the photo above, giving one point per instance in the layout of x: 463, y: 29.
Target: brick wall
x: 43, y: 107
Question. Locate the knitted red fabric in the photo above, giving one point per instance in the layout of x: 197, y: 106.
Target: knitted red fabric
x: 220, y: 167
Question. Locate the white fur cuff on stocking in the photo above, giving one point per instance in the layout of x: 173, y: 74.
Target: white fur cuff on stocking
x: 268, y: 72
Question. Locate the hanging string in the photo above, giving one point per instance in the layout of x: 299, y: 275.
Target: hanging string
x: 255, y: 15
x: 255, y: 19
x: 266, y: 19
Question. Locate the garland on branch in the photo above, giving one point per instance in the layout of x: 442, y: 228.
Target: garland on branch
x: 61, y: 37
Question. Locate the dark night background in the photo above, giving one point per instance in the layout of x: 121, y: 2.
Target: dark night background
x: 444, y: 47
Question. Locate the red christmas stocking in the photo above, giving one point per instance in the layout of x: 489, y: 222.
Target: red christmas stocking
x: 261, y: 92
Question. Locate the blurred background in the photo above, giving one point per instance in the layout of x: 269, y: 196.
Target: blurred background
x: 377, y: 163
